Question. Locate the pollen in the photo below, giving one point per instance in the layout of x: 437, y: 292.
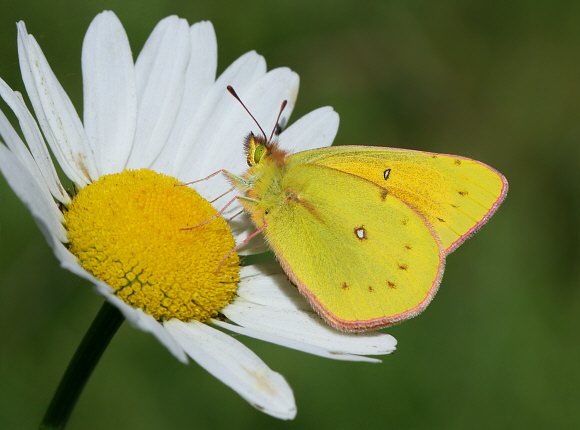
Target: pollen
x: 126, y: 229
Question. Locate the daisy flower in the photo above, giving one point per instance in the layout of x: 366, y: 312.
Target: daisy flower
x: 147, y: 126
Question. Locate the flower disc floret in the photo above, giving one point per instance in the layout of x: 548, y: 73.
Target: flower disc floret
x: 126, y: 229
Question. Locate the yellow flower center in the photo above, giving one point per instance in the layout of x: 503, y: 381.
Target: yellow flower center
x: 126, y: 230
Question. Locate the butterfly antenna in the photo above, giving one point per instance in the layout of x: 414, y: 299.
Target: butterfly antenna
x: 233, y: 93
x: 284, y: 103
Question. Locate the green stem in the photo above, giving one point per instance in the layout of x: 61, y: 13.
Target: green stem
x: 86, y: 357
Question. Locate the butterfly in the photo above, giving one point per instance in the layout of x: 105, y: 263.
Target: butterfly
x: 363, y: 232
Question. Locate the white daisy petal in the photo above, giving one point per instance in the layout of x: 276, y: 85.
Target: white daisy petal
x: 212, y: 117
x: 308, y: 328
x: 31, y: 194
x: 160, y: 76
x: 39, y: 164
x: 109, y: 92
x: 20, y: 151
x: 200, y: 76
x: 266, y: 284
x: 58, y: 119
x: 292, y: 343
x: 317, y: 129
x: 236, y: 366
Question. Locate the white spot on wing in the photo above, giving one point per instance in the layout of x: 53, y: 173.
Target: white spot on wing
x: 360, y: 233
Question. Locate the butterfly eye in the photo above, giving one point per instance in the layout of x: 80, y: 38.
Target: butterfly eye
x: 259, y: 153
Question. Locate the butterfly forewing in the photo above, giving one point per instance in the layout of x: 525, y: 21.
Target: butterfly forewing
x: 456, y: 195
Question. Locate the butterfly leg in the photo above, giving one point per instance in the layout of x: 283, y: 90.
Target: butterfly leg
x: 217, y: 215
x: 223, y: 194
x: 203, y: 179
x: 239, y: 245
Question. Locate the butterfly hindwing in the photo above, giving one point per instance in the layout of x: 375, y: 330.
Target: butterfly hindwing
x: 363, y: 257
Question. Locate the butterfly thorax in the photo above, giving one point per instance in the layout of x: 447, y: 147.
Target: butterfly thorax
x: 261, y: 183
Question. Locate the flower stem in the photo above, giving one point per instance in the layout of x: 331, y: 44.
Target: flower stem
x: 86, y: 357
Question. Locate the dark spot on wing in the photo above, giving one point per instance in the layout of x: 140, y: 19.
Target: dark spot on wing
x: 457, y: 162
x: 344, y: 286
x: 391, y: 284
x: 384, y: 194
x: 463, y: 192
x: 440, y: 219
x: 403, y: 266
x: 386, y: 174
x: 409, y: 247
x: 371, y: 289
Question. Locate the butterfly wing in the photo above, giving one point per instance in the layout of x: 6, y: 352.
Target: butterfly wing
x: 363, y: 258
x: 455, y: 194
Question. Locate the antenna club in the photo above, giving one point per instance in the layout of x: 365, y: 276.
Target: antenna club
x: 233, y: 92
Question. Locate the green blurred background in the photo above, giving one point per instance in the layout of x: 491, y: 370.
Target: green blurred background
x: 498, y: 81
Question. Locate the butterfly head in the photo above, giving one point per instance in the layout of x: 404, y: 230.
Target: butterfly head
x: 257, y: 148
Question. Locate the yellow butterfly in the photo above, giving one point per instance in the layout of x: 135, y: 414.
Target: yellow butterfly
x: 363, y: 232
